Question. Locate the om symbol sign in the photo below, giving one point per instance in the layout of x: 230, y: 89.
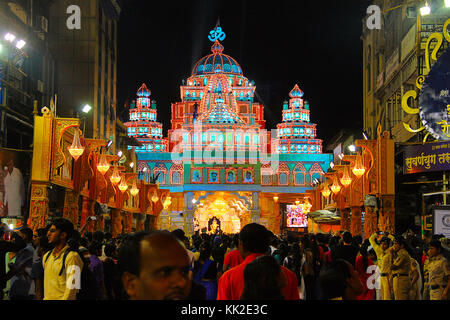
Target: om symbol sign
x: 216, y: 34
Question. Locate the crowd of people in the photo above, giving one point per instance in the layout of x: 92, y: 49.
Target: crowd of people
x: 61, y: 263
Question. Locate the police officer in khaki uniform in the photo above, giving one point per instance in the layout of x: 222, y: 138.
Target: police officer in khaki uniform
x: 400, y: 267
x: 439, y: 272
x: 426, y: 277
x: 384, y: 263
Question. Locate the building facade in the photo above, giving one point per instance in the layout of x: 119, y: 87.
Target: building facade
x: 27, y: 69
x: 86, y: 60
x: 396, y: 60
x: 221, y: 165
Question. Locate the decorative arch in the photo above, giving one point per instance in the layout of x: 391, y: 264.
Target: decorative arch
x: 315, y: 171
x: 266, y: 174
x: 160, y: 167
x: 283, y: 174
x: 176, y: 174
x: 300, y: 174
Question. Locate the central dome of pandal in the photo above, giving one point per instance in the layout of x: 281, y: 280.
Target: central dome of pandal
x: 209, y: 63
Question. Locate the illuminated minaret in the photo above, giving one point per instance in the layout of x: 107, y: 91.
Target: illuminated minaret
x: 296, y: 134
x: 143, y: 125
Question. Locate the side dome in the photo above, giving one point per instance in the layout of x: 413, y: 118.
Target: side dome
x: 209, y: 63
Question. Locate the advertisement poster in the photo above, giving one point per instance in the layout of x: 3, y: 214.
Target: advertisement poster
x: 441, y: 221
x: 296, y: 216
x: 14, y: 182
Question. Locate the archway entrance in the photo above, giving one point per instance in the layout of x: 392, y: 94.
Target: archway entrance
x: 221, y: 210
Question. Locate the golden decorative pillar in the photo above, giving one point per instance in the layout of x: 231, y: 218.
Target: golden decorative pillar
x: 370, y: 222
x: 356, y: 222
x: 38, y: 206
x: 116, y: 222
x: 387, y: 214
x: 345, y: 219
x: 127, y: 222
x: 70, y: 211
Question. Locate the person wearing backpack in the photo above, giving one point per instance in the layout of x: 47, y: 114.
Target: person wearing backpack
x: 62, y: 267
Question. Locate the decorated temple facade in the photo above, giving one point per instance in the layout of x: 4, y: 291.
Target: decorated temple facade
x: 223, y: 168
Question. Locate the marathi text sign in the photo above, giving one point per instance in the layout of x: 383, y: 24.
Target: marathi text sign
x: 427, y: 157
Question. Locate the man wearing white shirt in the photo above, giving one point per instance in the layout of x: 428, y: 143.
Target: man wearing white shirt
x: 14, y: 190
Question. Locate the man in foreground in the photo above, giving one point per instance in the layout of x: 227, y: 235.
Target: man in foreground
x: 154, y: 267
x: 253, y: 242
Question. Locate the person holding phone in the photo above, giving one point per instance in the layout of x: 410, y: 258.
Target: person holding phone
x: 17, y: 244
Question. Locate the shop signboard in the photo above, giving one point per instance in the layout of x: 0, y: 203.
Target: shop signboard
x: 434, y: 156
x: 441, y: 221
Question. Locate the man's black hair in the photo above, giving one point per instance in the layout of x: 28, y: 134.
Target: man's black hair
x: 108, y: 236
x: 109, y: 249
x: 41, y: 232
x: 254, y: 238
x: 84, y: 242
x: 333, y: 279
x: 88, y: 235
x: 98, y: 236
x: 28, y: 233
x: 400, y: 240
x: 179, y: 234
x: 436, y: 244
x: 95, y: 247
x: 347, y: 237
x: 63, y: 225
x: 130, y: 253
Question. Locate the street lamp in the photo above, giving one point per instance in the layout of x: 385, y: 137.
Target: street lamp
x: 426, y: 10
x: 20, y: 44
x: 86, y: 108
x: 10, y: 37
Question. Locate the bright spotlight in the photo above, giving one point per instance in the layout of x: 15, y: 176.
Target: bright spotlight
x: 20, y: 44
x: 86, y: 108
x: 10, y: 37
x: 426, y: 10
x: 119, y: 153
x: 352, y: 148
x: 131, y: 164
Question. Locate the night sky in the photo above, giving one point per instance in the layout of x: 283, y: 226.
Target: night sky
x: 315, y: 44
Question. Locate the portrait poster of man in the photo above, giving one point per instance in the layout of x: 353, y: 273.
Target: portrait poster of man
x: 196, y: 176
x: 14, y: 178
x: 248, y: 176
x: 214, y: 176
x: 230, y: 177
